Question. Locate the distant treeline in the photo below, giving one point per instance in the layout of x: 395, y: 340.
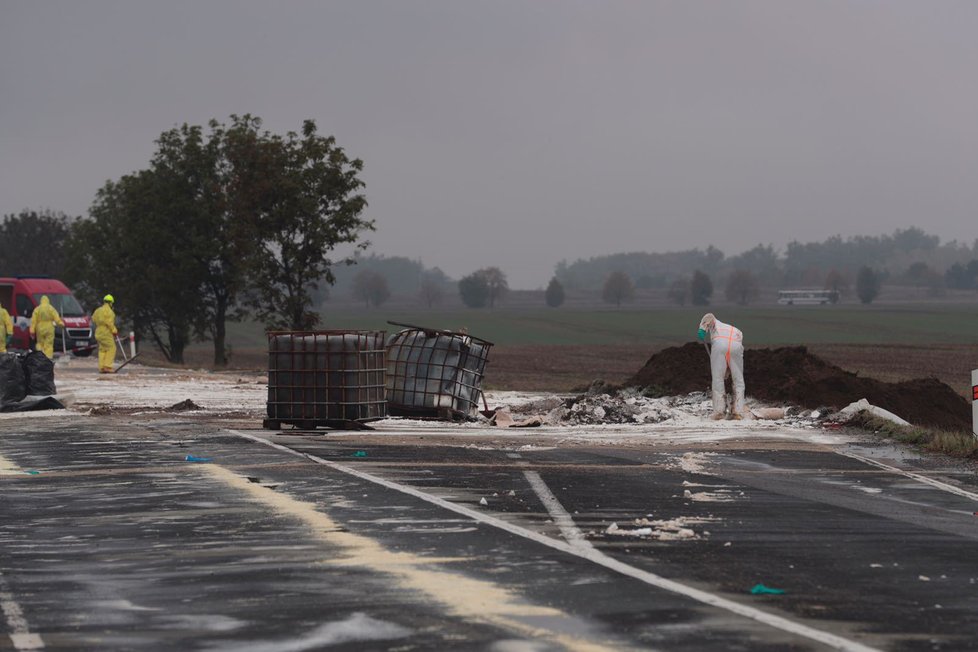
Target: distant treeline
x: 906, y: 256
x: 404, y: 277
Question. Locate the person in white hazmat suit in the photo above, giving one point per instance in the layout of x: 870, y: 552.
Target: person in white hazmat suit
x: 726, y: 353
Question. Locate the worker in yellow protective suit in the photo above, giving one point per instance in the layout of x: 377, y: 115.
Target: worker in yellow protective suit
x: 726, y: 353
x: 6, y: 329
x: 105, y: 332
x: 43, y: 320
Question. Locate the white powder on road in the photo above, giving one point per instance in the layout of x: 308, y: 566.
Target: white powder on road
x: 146, y: 391
x: 356, y: 628
x: 144, y: 387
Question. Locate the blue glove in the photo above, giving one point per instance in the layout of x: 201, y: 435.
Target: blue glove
x: 702, y: 335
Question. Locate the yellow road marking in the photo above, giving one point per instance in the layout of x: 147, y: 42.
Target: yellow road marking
x: 7, y: 467
x: 458, y: 594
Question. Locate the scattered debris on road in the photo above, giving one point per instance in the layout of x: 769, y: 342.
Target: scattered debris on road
x: 676, y: 529
x: 603, y: 405
x: 186, y: 405
x: 760, y: 589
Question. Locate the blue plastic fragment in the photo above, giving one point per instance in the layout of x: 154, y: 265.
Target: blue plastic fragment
x: 760, y: 589
x: 360, y: 454
x: 194, y: 458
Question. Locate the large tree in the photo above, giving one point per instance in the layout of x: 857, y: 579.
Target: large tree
x: 618, y: 288
x: 313, y: 205
x: 235, y: 213
x: 484, y: 286
x: 962, y: 277
x: 371, y: 288
x: 700, y: 289
x: 474, y: 290
x: 742, y: 287
x: 867, y: 284
x: 198, y: 198
x: 679, y: 291
x: 431, y: 291
x: 133, y: 247
x: 33, y: 243
x: 496, y: 282
x: 555, y: 293
x: 837, y: 282
x: 214, y: 184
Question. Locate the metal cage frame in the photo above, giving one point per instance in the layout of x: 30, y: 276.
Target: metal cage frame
x: 434, y: 373
x: 329, y: 378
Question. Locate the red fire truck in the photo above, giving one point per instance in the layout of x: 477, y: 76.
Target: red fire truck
x: 21, y: 294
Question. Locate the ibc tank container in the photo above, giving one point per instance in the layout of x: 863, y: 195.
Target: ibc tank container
x: 326, y: 378
x: 434, y: 373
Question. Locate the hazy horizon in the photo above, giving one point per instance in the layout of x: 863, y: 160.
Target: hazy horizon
x: 517, y: 134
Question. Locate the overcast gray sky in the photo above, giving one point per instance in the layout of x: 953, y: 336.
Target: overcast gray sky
x: 519, y: 133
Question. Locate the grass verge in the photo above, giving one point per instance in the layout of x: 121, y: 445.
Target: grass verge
x: 954, y: 444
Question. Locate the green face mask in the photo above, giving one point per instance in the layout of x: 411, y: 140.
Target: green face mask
x: 702, y: 335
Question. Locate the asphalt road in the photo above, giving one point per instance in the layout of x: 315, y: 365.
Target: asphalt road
x: 432, y: 539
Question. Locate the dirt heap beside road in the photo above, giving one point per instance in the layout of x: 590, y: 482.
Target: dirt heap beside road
x: 793, y: 375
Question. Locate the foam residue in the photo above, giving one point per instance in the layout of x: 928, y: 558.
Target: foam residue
x: 708, y: 497
x: 675, y: 529
x: 695, y: 463
x: 355, y: 628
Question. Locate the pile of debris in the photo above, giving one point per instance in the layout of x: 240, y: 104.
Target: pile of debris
x: 606, y: 405
x: 793, y: 376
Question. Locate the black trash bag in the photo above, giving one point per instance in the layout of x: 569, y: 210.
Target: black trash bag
x: 13, y: 385
x: 39, y: 374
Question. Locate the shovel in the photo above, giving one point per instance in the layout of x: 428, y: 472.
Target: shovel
x: 126, y: 359
x: 486, y: 412
x: 64, y: 360
x: 121, y: 348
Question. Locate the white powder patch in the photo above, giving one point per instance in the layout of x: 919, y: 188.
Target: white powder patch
x: 357, y: 627
x: 514, y: 399
x: 695, y: 463
x: 40, y: 414
x: 630, y: 419
x: 676, y: 529
x: 709, y: 497
x: 519, y: 646
x: 206, y: 622
x: 155, y: 389
x: 121, y: 605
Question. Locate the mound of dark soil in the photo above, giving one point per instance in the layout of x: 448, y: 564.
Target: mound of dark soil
x: 793, y: 375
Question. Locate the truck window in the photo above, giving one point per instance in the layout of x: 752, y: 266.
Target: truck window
x: 65, y: 304
x: 24, y: 306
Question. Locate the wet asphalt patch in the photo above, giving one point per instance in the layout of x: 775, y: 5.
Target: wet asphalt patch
x: 121, y: 542
x: 848, y: 542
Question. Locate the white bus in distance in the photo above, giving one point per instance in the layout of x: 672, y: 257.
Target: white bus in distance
x: 807, y: 297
